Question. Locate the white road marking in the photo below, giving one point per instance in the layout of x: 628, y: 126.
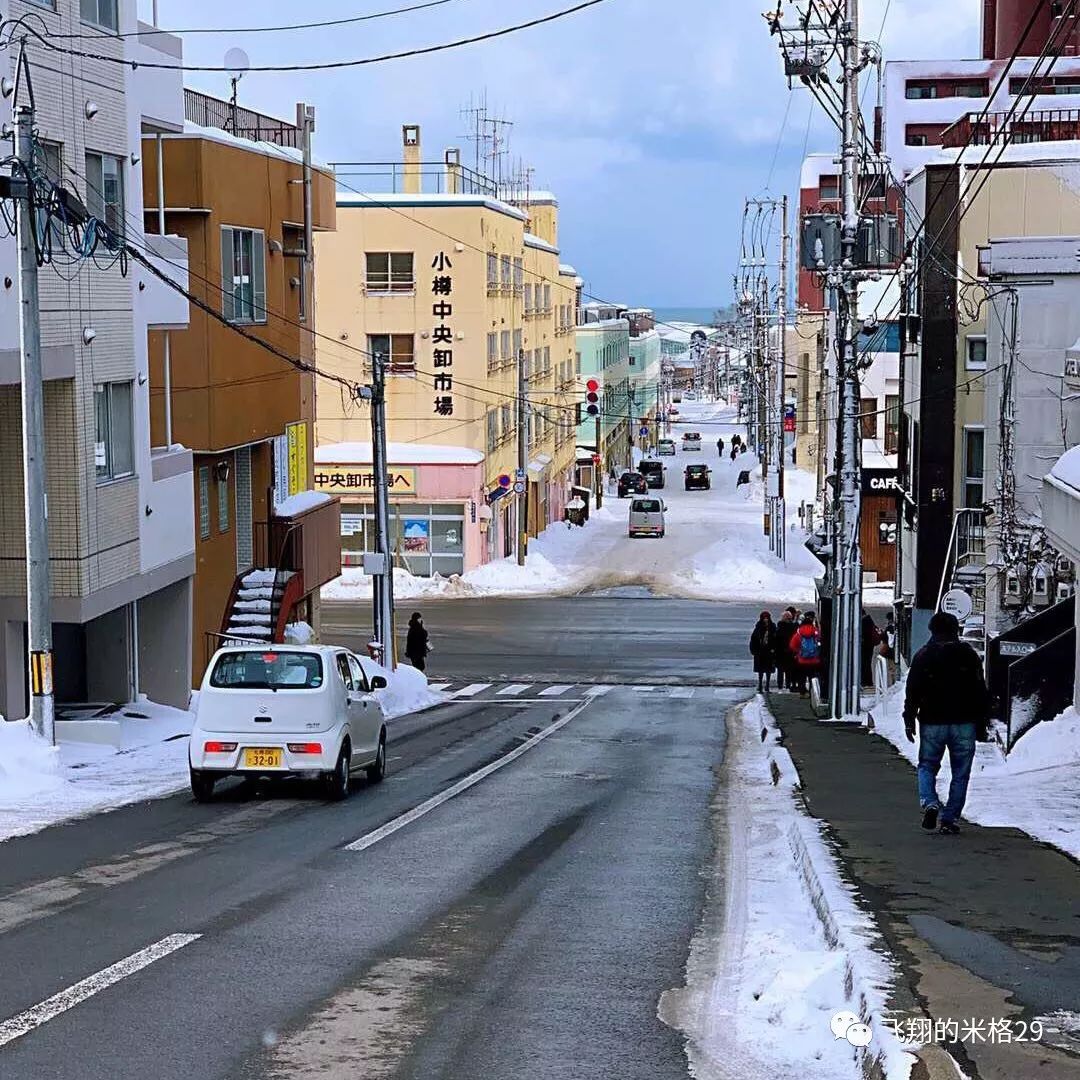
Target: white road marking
x: 555, y: 691
x: 598, y: 691
x: 439, y: 687
x: 515, y: 688
x: 50, y: 1008
x: 417, y: 812
x: 472, y: 689
x: 683, y: 692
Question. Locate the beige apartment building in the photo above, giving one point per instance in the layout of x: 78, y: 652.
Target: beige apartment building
x: 457, y: 288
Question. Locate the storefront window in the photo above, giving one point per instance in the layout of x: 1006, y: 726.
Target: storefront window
x: 426, y: 538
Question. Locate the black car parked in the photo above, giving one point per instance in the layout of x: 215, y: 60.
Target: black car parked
x: 632, y: 483
x: 654, y: 473
x: 696, y: 477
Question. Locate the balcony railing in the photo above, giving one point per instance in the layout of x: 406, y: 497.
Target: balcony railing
x: 212, y: 112
x: 434, y: 177
x: 308, y: 543
x: 1044, y: 125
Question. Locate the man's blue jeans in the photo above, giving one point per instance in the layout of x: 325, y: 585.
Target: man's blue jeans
x: 934, y: 739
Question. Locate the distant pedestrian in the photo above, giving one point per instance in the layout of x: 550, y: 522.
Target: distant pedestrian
x: 417, y: 642
x: 736, y: 439
x: 805, y: 648
x: 947, y: 695
x: 762, y: 646
x: 720, y: 446
x: 734, y: 450
x: 870, y: 639
x: 742, y: 448
x: 785, y: 628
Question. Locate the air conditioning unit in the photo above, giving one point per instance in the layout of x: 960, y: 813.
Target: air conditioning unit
x: 1041, y: 582
x: 1064, y: 590
x: 1013, y: 593
x: 1063, y: 567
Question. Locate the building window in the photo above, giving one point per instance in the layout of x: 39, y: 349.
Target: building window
x: 223, y: 506
x: 547, y: 358
x: 114, y: 442
x: 920, y: 91
x: 518, y: 339
x: 204, y: 502
x: 492, y: 349
x: 974, y: 450
x: 505, y: 265
x: 519, y: 275
x: 397, y: 350
x: 243, y: 275
x: 829, y: 187
x: 507, y: 421
x: 105, y: 190
x: 504, y: 345
x: 492, y: 270
x: 868, y: 417
x: 528, y: 298
x: 492, y: 430
x: 577, y: 363
x: 547, y: 298
x: 99, y: 12
x: 892, y: 423
x: 390, y: 271
x: 976, y: 352
x: 974, y: 89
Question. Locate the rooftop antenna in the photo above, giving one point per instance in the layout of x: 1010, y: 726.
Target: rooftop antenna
x: 237, y: 62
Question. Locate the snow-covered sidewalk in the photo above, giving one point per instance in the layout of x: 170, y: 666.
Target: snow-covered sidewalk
x: 1035, y: 789
x: 787, y: 976
x: 715, y: 547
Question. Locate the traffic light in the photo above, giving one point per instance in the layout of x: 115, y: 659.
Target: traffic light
x: 592, y: 396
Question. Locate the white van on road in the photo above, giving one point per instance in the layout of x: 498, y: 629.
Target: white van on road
x: 276, y: 710
x: 647, y: 517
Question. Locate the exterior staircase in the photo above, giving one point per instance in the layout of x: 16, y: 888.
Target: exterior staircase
x: 260, y: 606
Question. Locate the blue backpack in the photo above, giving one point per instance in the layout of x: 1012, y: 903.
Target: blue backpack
x: 809, y: 647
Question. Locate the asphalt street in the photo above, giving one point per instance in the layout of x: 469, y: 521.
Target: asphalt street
x: 523, y: 927
x: 627, y: 638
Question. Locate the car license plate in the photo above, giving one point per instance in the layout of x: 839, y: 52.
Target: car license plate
x: 263, y: 757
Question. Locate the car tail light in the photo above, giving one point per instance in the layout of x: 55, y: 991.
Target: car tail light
x: 219, y: 747
x: 304, y: 747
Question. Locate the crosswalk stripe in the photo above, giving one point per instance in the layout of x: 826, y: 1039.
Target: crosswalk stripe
x: 514, y: 689
x: 439, y: 687
x: 555, y: 691
x: 597, y: 691
x: 472, y: 689
x: 684, y: 692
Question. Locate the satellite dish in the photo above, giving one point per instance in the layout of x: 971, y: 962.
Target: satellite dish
x: 237, y: 62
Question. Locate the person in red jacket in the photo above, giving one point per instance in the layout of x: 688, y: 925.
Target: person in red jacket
x: 805, y: 649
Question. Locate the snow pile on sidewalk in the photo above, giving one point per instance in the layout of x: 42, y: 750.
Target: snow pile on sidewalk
x: 784, y: 952
x: 42, y: 785
x: 1035, y: 789
x: 715, y: 548
x: 407, y: 690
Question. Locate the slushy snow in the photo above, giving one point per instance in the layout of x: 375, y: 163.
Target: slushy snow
x: 715, y: 547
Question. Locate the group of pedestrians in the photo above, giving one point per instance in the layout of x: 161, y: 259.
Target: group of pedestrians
x: 790, y: 648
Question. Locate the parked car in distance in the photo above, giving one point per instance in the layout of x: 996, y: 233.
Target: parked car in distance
x: 647, y: 517
x: 672, y: 412
x: 654, y: 472
x: 677, y: 395
x: 690, y: 395
x: 665, y: 448
x: 632, y: 483
x: 276, y: 710
x: 691, y: 440
x: 696, y: 477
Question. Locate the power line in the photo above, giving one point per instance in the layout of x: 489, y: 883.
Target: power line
x: 328, y: 65
x: 350, y: 20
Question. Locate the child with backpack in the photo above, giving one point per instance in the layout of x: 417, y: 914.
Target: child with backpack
x: 806, y: 652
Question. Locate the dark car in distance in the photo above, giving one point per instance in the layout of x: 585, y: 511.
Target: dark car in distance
x: 632, y: 483
x: 696, y: 478
x: 654, y: 473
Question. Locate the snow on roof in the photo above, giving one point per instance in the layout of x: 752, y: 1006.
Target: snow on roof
x: 537, y: 198
x: 542, y: 245
x: 1064, y: 152
x: 359, y: 453
x: 301, y: 501
x: 567, y: 269
x: 442, y: 198
x: 252, y: 146
x: 814, y: 167
x: 1067, y: 468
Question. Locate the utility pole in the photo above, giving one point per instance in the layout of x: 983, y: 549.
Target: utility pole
x: 779, y: 519
x: 305, y: 121
x: 599, y: 468
x: 35, y: 494
x: 522, y: 455
x: 384, y: 582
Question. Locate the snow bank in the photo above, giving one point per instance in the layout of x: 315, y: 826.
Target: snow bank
x: 407, y: 690
x: 42, y: 785
x: 787, y: 946
x: 299, y: 633
x: 1035, y: 789
x: 300, y: 502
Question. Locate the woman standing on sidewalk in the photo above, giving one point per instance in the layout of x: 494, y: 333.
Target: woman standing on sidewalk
x: 416, y: 643
x: 762, y: 643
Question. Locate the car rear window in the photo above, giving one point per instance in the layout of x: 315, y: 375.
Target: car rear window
x: 696, y: 470
x: 265, y: 669
x: 645, y: 506
x: 651, y: 466
x: 693, y: 436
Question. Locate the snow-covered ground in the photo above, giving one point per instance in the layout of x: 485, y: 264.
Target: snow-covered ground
x: 1036, y: 788
x: 138, y: 752
x: 785, y: 961
x: 715, y: 547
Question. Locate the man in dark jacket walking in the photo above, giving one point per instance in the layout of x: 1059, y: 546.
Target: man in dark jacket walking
x: 947, y: 694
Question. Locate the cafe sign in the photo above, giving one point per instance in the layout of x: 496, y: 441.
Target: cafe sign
x: 359, y: 480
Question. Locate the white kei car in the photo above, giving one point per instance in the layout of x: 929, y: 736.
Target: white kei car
x: 274, y: 710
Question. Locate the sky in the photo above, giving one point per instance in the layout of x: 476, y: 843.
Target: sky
x: 652, y: 120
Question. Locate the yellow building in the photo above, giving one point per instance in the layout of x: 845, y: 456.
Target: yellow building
x: 461, y: 292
